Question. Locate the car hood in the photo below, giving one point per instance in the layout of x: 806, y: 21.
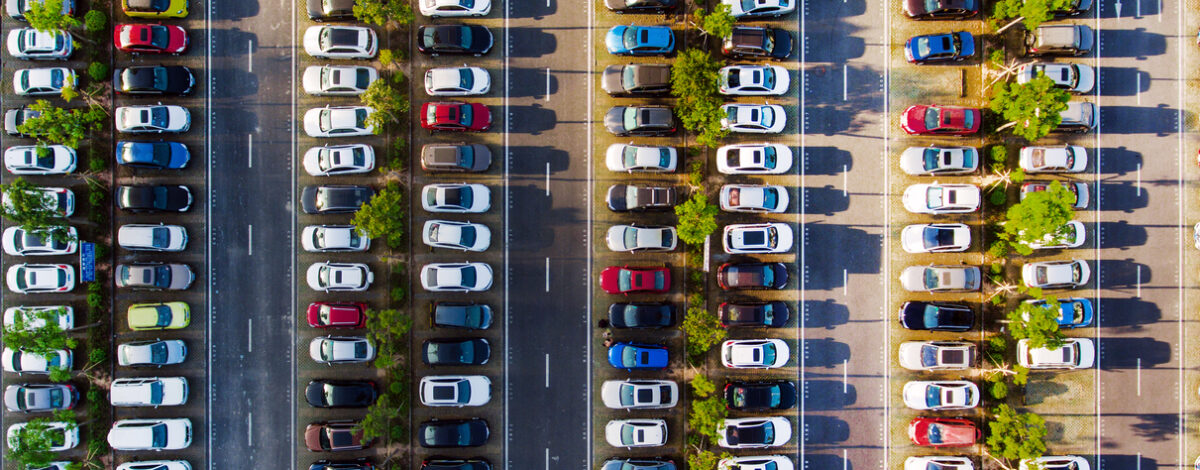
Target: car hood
x: 613, y: 39
x: 612, y: 79
x: 614, y: 120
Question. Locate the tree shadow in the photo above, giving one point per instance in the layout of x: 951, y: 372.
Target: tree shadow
x: 827, y: 160
x: 1037, y: 391
x: 825, y: 314
x: 1123, y: 235
x: 1127, y: 314
x: 1157, y: 427
x: 828, y: 395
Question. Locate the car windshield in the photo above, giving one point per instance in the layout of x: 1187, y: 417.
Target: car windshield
x: 324, y: 314
x: 1076, y: 273
x: 923, y: 43
x: 933, y: 118
x: 461, y: 197
x: 629, y: 356
x: 630, y: 155
x: 163, y: 314
x: 627, y: 395
x: 768, y: 311
x: 465, y: 34
x: 933, y: 396
x: 1040, y: 274
x: 768, y: 354
x: 156, y: 116
x: 160, y: 237
x: 466, y: 156
x: 933, y: 5
x: 631, y: 118
x: 466, y: 79
x: 360, y: 118
x: 160, y: 78
x: 768, y: 78
x: 630, y: 237
x: 629, y: 38
x: 770, y: 198
x: 158, y: 353
x: 327, y: 349
x: 467, y: 236
x: 660, y: 280
x: 664, y: 158
x: 360, y: 349
x: 468, y: 276
x: 929, y: 356
x: 156, y: 392
x: 768, y: 276
x: 932, y: 160
x: 158, y: 434
x: 625, y: 279
x: 938, y: 237
x: 465, y: 114
x: 627, y: 77
x: 749, y: 5
x: 932, y: 315
x: 627, y: 434
x: 160, y: 154
x: 935, y: 433
x: 934, y: 195
x: 158, y: 36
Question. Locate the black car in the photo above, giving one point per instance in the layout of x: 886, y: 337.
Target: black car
x: 936, y: 316
x: 321, y: 10
x: 455, y: 157
x: 640, y: 121
x: 628, y: 197
x: 757, y: 42
x: 773, y: 314
x: 453, y: 433
x: 760, y: 396
x: 737, y: 276
x: 154, y: 198
x: 471, y: 316
x: 637, y: 464
x: 640, y: 6
x: 333, y: 199
x: 443, y: 463
x: 456, y: 351
x: 340, y: 393
x: 14, y: 118
x: 941, y: 9
x: 454, y: 39
x: 359, y: 464
x: 641, y: 315
x: 154, y: 80
x: 636, y: 79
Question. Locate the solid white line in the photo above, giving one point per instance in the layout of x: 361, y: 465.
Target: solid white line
x: 250, y: 334
x: 845, y: 374
x: 802, y: 219
x: 547, y: 74
x: 249, y: 150
x: 507, y: 234
x: 249, y: 429
x: 1139, y: 376
x: 291, y: 194
x: 1139, y: 180
x: 845, y: 80
x: 1097, y: 96
x: 588, y: 189
x: 547, y: 380
x: 1138, y: 3
x: 1139, y: 281
x: 845, y: 180
x: 1137, y: 91
x: 547, y: 449
x: 547, y: 274
x: 845, y: 281
x: 250, y: 54
x: 547, y: 178
x: 250, y: 239
x: 845, y: 460
x: 208, y: 248
x: 1139, y: 461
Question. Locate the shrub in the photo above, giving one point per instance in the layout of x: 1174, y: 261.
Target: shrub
x: 398, y: 294
x: 997, y: 197
x: 999, y: 153
x: 998, y: 390
x: 97, y: 71
x: 696, y: 173
x: 97, y: 355
x: 95, y: 301
x: 386, y: 57
x: 998, y: 249
x: 94, y: 21
x: 95, y: 199
x: 996, y: 345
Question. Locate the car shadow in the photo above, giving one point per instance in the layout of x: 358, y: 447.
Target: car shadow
x: 1127, y: 314
x: 1131, y: 353
x: 825, y: 430
x: 1132, y: 43
x: 1122, y: 235
x: 1117, y: 160
x: 1160, y: 120
x: 530, y: 42
x: 827, y: 161
x: 1123, y: 81
x: 824, y: 314
x: 828, y: 395
x: 1123, y: 196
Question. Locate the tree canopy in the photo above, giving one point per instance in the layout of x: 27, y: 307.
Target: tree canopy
x: 1041, y: 217
x: 1014, y: 435
x: 42, y: 339
x: 1031, y: 12
x: 383, y: 12
x: 697, y: 218
x: 47, y: 15
x: 34, y: 211
x: 1037, y: 322
x: 694, y: 84
x: 703, y: 330
x: 383, y: 216
x: 62, y: 126
x: 30, y: 446
x: 1032, y: 107
x: 719, y: 22
x: 389, y: 102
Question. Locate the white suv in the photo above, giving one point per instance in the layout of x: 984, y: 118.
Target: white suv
x: 151, y: 434
x: 146, y: 237
x: 149, y: 391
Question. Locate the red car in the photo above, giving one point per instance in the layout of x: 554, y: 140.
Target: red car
x: 943, y: 432
x: 625, y: 279
x: 455, y: 117
x: 337, y: 314
x: 334, y: 436
x: 941, y: 120
x: 150, y: 38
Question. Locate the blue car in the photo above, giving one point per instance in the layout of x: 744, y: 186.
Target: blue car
x: 1074, y: 312
x: 943, y: 47
x: 634, y: 356
x: 153, y: 155
x: 640, y: 40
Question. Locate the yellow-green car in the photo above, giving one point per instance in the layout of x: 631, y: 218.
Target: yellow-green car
x: 155, y: 8
x: 160, y: 316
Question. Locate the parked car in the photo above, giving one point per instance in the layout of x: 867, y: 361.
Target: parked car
x: 1061, y: 274
x: 1070, y: 235
x: 455, y: 157
x: 939, y: 198
x: 154, y: 276
x: 340, y: 42
x: 457, y: 81
x: 940, y: 47
x: 321, y: 10
x: 331, y: 277
x: 943, y: 432
x: 17, y: 9
x: 58, y: 202
x: 939, y: 396
x: 754, y: 353
x: 453, y: 116
x: 156, y: 465
x: 941, y: 120
x: 636, y: 356
x: 447, y: 8
x: 634, y: 239
x: 43, y: 81
x: 936, y: 160
x: 760, y: 395
x: 466, y: 315
x: 154, y: 80
x: 22, y: 362
x: 456, y: 351
x: 941, y: 9
x: 938, y: 463
x: 637, y: 464
x: 332, y: 160
x: 640, y: 40
x: 28, y: 278
x: 456, y: 464
x: 155, y: 8
x: 155, y: 353
x: 456, y: 197
x: 28, y: 317
x: 754, y: 433
x: 31, y: 44
x: 60, y: 436
x: 460, y: 277
x: 940, y: 278
x: 936, y: 316
x: 465, y: 236
x: 148, y: 391
x: 1075, y: 78
x: 334, y: 199
x: 341, y: 350
x: 20, y: 242
x: 150, y: 38
x: 147, y: 237
x: 641, y: 158
x: 636, y: 79
x: 152, y: 119
x: 753, y: 80
x: 738, y: 276
x: 757, y: 158
x: 454, y: 39
x: 644, y: 121
x: 937, y: 355
x: 753, y: 198
x: 1060, y: 159
x: 641, y: 315
x: 32, y: 160
x: 630, y: 433
x: 336, y: 314
x: 1075, y: 353
x: 34, y: 398
x: 626, y: 280
x: 639, y: 394
x: 154, y: 198
x: 640, y: 6
x: 753, y: 118
x: 324, y: 393
x: 1056, y: 462
x: 335, y: 436
x: 756, y: 462
x: 753, y: 42
x: 159, y: 316
x: 333, y: 238
x: 935, y: 238
x: 338, y: 121
x: 772, y: 237
x: 338, y: 80
x: 772, y: 314
x: 153, y: 155
x: 453, y: 433
x: 1079, y: 189
x: 632, y: 197
x: 1059, y: 40
x: 455, y: 390
x: 1073, y: 312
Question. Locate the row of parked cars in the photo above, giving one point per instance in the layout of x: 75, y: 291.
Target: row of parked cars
x: 936, y: 199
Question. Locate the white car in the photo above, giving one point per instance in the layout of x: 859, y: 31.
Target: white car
x: 937, y: 396
x: 758, y: 238
x: 935, y: 238
x: 59, y: 465
x: 151, y: 434
x: 1075, y: 353
x: 1064, y: 159
x: 23, y: 362
x: 1076, y: 78
x: 156, y: 353
x: 757, y: 462
x: 338, y: 121
x: 455, y: 390
x: 934, y: 279
x: 1056, y: 462
x: 341, y: 349
x: 934, y: 161
x: 1062, y: 274
x: 937, y: 355
x: 456, y: 197
x: 68, y: 440
x: 146, y: 237
x: 938, y: 463
x: 753, y: 80
x: 754, y: 159
x: 643, y: 394
x: 754, y: 353
x: 149, y: 391
x: 156, y: 118
x: 941, y: 198
x: 327, y: 238
x: 754, y: 433
x: 333, y: 160
x: 629, y: 433
x: 156, y: 465
x: 41, y: 278
x: 340, y: 42
x: 331, y: 277
x: 753, y: 198
x: 37, y: 317
x: 457, y: 81
x: 43, y: 81
x: 631, y: 238
x: 58, y: 200
x: 464, y: 236
x: 444, y: 8
x: 31, y: 44
x: 460, y: 277
x: 1078, y: 189
x: 27, y: 160
x: 20, y: 242
x: 759, y: 8
x: 754, y: 118
x: 338, y: 80
x: 1071, y: 235
x: 641, y: 158
x: 17, y: 9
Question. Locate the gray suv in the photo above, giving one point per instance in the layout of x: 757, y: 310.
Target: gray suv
x: 637, y: 79
x: 1060, y: 40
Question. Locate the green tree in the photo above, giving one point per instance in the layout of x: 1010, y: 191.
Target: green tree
x: 1038, y: 323
x: 384, y: 216
x: 1032, y: 12
x: 383, y: 12
x: 1031, y: 108
x: 697, y: 219
x: 380, y: 415
x: 30, y: 446
x: 703, y: 330
x: 33, y: 210
x: 94, y: 22
x: 705, y: 460
x: 1014, y: 435
x: 41, y: 339
x: 62, y: 126
x: 1041, y: 217
x: 707, y: 415
x: 702, y: 386
x: 718, y: 22
x: 48, y: 15
x: 694, y: 84
x: 388, y: 100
